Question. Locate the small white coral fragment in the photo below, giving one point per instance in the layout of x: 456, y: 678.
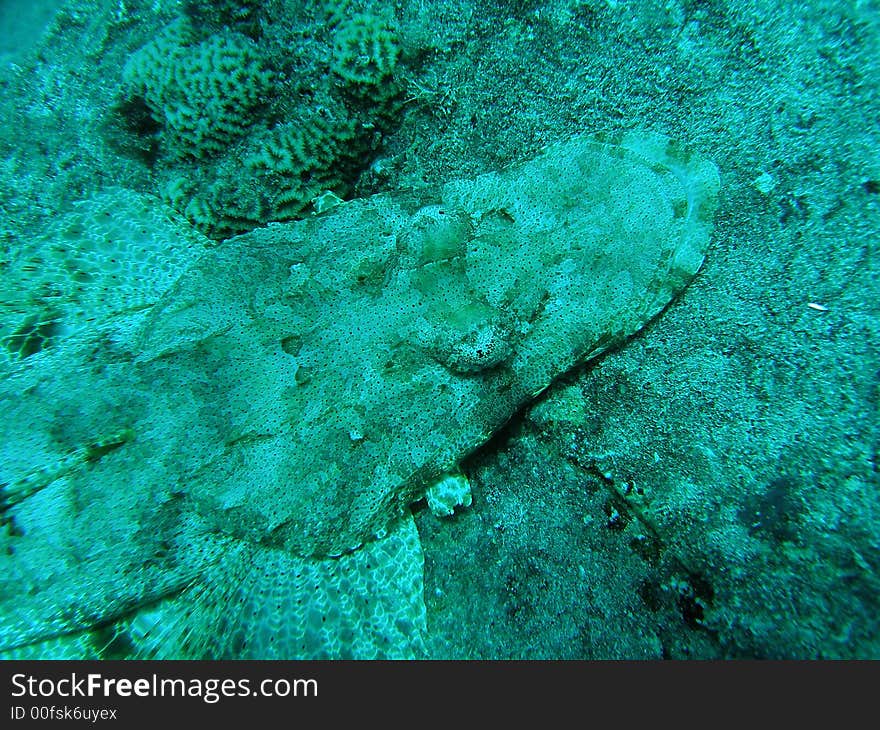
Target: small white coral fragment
x: 449, y: 492
x: 764, y: 183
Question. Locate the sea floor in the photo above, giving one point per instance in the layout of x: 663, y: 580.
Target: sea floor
x: 711, y: 489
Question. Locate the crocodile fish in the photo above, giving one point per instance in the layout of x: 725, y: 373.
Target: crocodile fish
x: 211, y: 451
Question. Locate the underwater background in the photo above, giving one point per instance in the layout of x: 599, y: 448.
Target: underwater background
x: 708, y: 489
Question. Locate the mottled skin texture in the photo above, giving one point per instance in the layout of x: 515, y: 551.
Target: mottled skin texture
x: 300, y: 386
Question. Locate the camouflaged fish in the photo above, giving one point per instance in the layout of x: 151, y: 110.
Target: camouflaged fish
x: 209, y: 452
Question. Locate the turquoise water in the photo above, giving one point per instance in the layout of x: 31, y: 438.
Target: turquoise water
x: 182, y: 480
